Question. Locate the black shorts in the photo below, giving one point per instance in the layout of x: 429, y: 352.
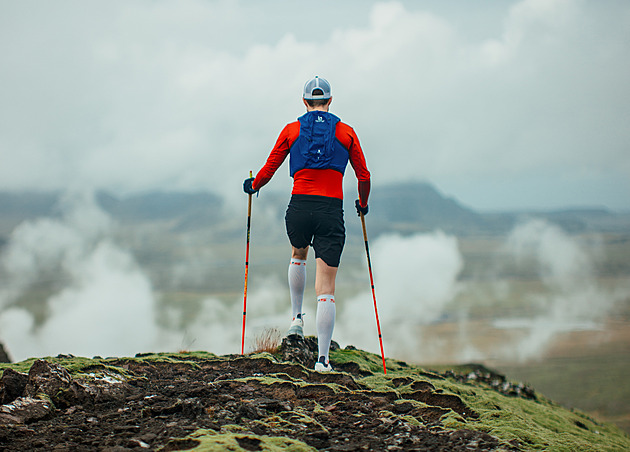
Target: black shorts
x: 317, y: 221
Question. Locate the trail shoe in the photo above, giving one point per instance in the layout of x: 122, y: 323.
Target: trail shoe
x: 296, y: 328
x: 322, y: 365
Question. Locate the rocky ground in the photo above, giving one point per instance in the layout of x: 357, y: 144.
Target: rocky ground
x: 259, y: 402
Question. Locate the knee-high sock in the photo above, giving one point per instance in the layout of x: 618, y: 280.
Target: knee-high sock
x: 297, y: 282
x: 325, y: 323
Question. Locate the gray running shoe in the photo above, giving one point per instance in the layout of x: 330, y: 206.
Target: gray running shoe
x: 297, y: 328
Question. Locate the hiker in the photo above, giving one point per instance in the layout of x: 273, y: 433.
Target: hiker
x: 319, y: 147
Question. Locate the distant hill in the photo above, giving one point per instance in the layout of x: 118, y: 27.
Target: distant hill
x: 403, y: 207
x: 188, y: 210
x: 418, y: 206
x: 17, y: 207
x: 578, y: 220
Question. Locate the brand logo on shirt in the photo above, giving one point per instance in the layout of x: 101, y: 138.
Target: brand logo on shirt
x: 319, y: 119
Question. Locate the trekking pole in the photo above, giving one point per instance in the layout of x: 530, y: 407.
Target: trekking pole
x: 378, y: 324
x: 249, y: 224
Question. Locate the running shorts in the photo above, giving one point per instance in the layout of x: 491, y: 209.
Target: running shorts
x: 317, y: 221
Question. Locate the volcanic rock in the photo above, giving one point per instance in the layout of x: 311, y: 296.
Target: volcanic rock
x: 55, y: 382
x: 302, y: 350
x: 12, y: 385
x: 24, y: 410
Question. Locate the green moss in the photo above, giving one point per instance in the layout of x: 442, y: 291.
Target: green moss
x: 275, y: 423
x: 167, y: 358
x: 454, y: 421
x: 280, y: 379
x: 299, y: 416
x: 45, y: 398
x: 78, y: 365
x: 23, y: 366
x: 536, y: 425
x: 406, y: 418
x: 318, y: 409
x: 367, y: 362
x: 209, y: 440
x: 411, y: 420
x: 265, y: 355
x: 540, y: 425
x: 232, y: 428
x: 71, y: 364
x: 373, y: 364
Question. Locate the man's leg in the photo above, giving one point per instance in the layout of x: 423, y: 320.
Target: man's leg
x: 325, y: 277
x: 325, y: 289
x: 297, y: 221
x: 297, y: 280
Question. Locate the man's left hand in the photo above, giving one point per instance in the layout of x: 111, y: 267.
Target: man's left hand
x: 361, y: 210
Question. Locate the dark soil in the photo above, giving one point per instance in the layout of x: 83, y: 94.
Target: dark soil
x: 161, y: 402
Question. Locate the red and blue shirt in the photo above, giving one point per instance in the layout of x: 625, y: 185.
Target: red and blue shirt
x: 317, y: 179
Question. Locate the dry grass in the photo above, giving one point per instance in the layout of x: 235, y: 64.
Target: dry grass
x: 268, y: 341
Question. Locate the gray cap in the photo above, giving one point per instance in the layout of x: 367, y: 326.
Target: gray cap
x: 317, y: 83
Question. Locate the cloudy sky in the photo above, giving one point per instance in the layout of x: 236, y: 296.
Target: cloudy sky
x: 501, y: 104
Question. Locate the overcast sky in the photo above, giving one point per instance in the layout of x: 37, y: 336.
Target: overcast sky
x: 500, y: 104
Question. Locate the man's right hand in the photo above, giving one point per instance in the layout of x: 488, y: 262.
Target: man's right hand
x: 247, y: 186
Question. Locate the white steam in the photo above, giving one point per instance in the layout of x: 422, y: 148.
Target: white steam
x: 69, y: 286
x: 39, y: 248
x: 97, y: 299
x: 572, y: 299
x: 427, y: 314
x: 218, y: 326
x: 415, y: 278
x: 100, y: 302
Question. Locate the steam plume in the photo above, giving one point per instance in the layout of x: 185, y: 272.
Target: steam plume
x: 572, y: 299
x: 415, y: 279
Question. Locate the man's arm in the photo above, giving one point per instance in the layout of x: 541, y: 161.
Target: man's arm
x: 364, y: 192
x: 277, y: 156
x: 349, y: 139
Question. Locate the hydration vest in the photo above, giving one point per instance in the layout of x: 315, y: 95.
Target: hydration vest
x: 317, y: 147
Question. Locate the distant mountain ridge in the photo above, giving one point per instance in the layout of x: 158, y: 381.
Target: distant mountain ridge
x: 187, y: 210
x: 404, y: 207
x: 413, y: 205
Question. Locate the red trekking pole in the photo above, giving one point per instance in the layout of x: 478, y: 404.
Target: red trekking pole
x: 378, y: 324
x: 249, y: 223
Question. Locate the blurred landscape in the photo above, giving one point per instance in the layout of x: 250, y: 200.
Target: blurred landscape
x: 543, y: 297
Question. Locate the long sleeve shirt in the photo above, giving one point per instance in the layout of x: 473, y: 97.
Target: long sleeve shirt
x: 321, y: 182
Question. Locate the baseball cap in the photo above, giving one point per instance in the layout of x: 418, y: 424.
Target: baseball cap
x: 317, y: 83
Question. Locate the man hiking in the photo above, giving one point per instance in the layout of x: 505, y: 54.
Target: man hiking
x: 319, y: 147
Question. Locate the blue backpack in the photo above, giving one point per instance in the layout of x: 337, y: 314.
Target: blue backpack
x: 316, y: 146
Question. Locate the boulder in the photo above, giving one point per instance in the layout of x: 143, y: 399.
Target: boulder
x: 302, y: 350
x: 24, y: 410
x: 56, y: 382
x: 12, y: 385
x: 104, y: 388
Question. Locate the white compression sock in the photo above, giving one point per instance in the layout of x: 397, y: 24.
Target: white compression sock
x: 325, y: 323
x: 297, y: 282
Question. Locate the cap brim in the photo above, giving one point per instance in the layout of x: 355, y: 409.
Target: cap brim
x: 316, y: 96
